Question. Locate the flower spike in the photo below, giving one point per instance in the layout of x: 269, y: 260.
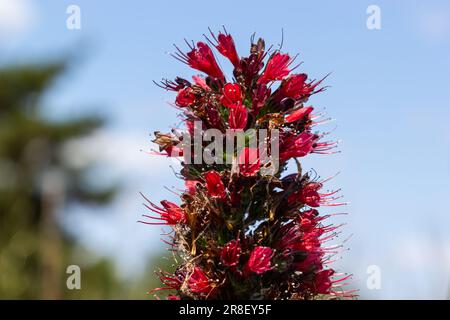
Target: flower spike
x: 246, y: 227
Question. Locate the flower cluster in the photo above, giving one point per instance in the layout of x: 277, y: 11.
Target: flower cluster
x: 239, y: 234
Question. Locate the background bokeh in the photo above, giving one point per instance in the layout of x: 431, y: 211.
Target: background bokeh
x: 77, y: 108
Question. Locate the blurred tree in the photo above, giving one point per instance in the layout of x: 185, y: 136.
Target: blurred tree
x: 36, y: 183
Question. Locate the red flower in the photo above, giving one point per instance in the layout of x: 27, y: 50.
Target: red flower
x: 230, y: 253
x: 185, y: 97
x: 251, y: 66
x: 313, y: 260
x: 171, y: 281
x: 249, y: 162
x: 214, y: 184
x: 322, y: 282
x: 225, y: 45
x: 299, y: 114
x: 176, y: 85
x: 238, y: 117
x: 191, y: 186
x: 259, y: 96
x: 294, y: 146
x: 296, y: 87
x: 170, y: 213
x: 173, y: 297
x: 309, y: 219
x: 289, y: 235
x: 259, y: 261
x: 277, y: 68
x: 202, y: 59
x: 198, y: 282
x: 301, y: 239
x: 232, y: 95
x: 310, y: 196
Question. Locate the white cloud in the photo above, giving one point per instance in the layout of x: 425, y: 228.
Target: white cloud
x: 16, y: 17
x: 423, y: 253
x: 420, y: 265
x: 125, y: 153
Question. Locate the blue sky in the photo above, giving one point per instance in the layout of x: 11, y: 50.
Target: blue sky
x: 389, y: 94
